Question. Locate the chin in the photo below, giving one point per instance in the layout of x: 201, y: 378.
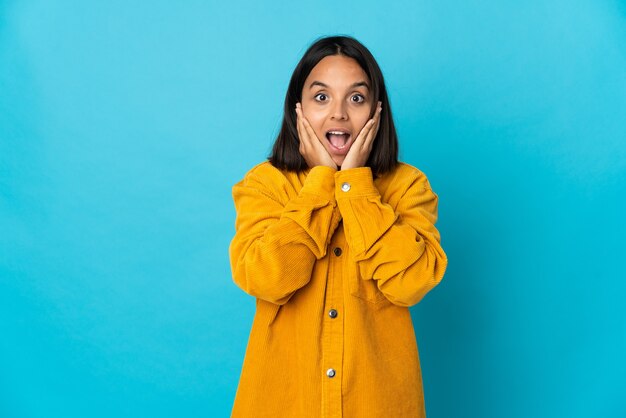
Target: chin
x: 339, y: 161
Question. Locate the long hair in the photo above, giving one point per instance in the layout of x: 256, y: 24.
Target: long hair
x: 285, y: 152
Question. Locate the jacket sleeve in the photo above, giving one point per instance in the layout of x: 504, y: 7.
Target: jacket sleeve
x: 279, y: 237
x: 396, y: 242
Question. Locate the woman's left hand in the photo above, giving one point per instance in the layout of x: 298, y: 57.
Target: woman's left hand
x: 362, y: 146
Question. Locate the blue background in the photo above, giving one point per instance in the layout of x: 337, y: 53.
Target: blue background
x: 124, y: 125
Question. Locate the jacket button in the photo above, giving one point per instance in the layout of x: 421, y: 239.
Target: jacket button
x: 337, y: 251
x: 332, y: 313
x: 330, y: 372
x: 345, y: 187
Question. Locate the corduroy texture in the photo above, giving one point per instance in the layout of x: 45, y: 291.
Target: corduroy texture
x: 324, y: 239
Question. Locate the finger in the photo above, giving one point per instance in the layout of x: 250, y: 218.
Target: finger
x: 301, y: 134
x: 309, y: 146
x: 361, y: 139
x: 300, y: 126
x: 310, y: 132
x: 373, y: 130
x: 311, y: 137
x: 317, y: 147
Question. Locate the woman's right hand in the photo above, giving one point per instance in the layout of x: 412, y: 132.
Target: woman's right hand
x: 311, y: 147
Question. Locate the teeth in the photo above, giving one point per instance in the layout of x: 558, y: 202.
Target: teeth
x: 337, y: 133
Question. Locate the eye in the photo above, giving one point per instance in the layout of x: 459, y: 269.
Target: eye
x: 360, y: 98
x: 321, y: 95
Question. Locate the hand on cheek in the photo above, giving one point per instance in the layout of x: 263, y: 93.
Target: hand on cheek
x: 362, y: 146
x: 311, y: 147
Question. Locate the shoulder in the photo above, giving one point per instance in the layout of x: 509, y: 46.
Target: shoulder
x: 264, y: 173
x: 406, y: 176
x: 261, y: 168
x: 268, y: 180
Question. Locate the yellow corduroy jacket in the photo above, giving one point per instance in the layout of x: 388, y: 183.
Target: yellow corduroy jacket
x: 334, y: 260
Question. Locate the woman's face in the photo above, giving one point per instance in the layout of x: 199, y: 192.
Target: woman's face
x: 336, y: 97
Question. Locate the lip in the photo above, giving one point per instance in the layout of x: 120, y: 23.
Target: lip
x: 344, y: 130
x: 343, y: 150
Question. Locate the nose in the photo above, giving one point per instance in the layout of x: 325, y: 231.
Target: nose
x: 339, y: 110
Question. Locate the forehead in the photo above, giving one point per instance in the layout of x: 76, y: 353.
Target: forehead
x: 336, y: 71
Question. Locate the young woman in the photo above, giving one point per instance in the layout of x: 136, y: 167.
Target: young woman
x: 336, y: 240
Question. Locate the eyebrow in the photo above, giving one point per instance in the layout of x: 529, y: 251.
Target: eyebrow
x: 357, y: 84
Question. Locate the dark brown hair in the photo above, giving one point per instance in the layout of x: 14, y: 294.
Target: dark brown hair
x: 384, y: 155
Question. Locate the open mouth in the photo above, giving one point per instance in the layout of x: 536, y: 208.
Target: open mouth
x: 339, y: 139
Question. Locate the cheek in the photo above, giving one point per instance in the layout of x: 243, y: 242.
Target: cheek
x: 316, y: 120
x: 311, y: 114
x: 361, y: 121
